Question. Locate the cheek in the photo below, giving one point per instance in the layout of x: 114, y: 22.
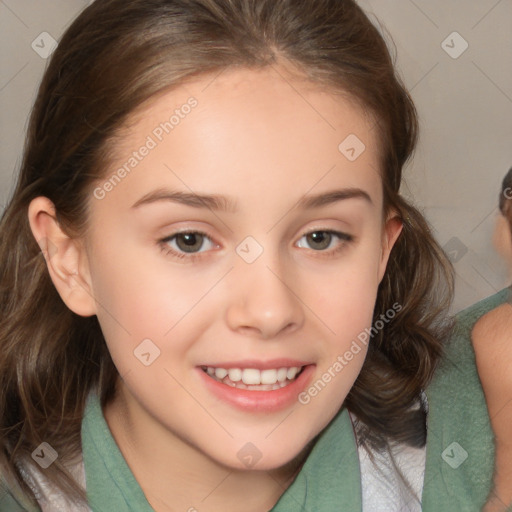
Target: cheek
x: 139, y: 301
x: 345, y: 303
x: 502, y: 239
x: 142, y: 289
x: 347, y: 295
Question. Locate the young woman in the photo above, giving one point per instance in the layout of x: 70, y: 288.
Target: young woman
x: 232, y: 284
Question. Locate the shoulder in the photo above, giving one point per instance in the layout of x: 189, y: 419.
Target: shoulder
x: 470, y: 316
x: 497, y: 323
x: 457, y: 366
x: 459, y: 348
x: 491, y: 339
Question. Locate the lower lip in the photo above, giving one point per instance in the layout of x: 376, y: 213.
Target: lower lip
x: 259, y: 401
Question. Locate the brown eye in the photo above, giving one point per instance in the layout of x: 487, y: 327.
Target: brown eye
x: 189, y: 242
x: 319, y: 239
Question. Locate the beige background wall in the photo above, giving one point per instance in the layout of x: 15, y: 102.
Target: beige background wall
x: 464, y: 97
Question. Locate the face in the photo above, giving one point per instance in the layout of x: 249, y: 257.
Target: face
x: 236, y: 260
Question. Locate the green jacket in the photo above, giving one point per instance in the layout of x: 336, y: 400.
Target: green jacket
x: 459, y: 456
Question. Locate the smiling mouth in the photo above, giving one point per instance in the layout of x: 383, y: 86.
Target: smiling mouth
x: 253, y: 379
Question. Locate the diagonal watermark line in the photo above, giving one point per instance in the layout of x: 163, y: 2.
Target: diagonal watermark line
x: 15, y: 75
x: 213, y: 79
x: 375, y: 123
x: 494, y: 498
x: 280, y: 423
x: 484, y: 278
x: 486, y: 14
x: 200, y: 299
x: 122, y: 377
x: 482, y: 263
x: 492, y: 81
x: 289, y: 83
x: 424, y: 13
x: 300, y: 506
x: 303, y: 303
x: 312, y: 187
x: 217, y: 486
x: 198, y: 403
x: 193, y: 192
x: 497, y: 413
x: 484, y: 219
x: 14, y: 14
x: 460, y: 278
x: 103, y: 307
x: 424, y: 76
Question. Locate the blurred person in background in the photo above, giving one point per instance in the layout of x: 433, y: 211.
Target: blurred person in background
x: 492, y: 341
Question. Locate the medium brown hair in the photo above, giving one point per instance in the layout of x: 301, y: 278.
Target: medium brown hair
x: 505, y: 199
x: 114, y: 57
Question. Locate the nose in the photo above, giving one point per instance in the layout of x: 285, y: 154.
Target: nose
x: 262, y: 301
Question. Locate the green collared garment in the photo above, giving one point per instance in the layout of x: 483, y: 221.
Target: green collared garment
x: 329, y: 479
x: 459, y: 463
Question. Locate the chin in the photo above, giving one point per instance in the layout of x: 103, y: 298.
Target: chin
x: 268, y: 456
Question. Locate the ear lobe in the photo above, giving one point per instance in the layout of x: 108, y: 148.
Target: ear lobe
x: 391, y: 232
x: 65, y: 258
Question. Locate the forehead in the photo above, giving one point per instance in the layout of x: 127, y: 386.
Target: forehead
x: 255, y: 132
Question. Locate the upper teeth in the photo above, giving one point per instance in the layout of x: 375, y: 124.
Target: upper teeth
x: 253, y: 376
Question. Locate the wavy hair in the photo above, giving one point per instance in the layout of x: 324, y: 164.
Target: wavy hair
x: 115, y: 56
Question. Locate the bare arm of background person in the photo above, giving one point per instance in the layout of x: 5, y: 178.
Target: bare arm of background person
x: 492, y: 340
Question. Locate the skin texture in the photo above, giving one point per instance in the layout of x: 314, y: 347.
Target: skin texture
x: 491, y: 339
x: 265, y: 139
x: 493, y: 350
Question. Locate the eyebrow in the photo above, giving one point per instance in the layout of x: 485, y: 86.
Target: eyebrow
x: 226, y: 204
x: 210, y: 201
x: 324, y: 199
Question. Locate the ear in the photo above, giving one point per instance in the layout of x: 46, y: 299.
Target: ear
x: 65, y: 257
x: 391, y: 231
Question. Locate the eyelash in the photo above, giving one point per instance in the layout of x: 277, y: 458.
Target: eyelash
x: 164, y: 244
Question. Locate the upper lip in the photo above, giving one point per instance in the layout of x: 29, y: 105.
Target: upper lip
x: 258, y: 364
